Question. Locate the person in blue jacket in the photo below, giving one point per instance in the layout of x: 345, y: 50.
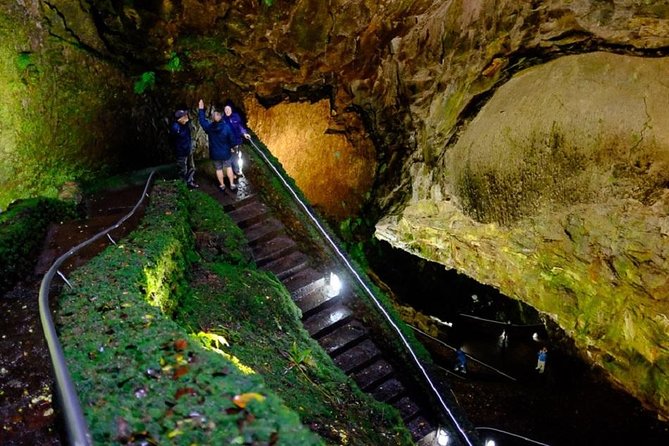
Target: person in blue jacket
x: 460, y: 361
x: 220, y: 144
x: 239, y: 132
x: 183, y: 148
x: 541, y: 360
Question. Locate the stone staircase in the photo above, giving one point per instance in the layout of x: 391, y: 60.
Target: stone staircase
x: 328, y: 319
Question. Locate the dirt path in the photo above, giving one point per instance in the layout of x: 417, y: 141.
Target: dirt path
x: 28, y: 415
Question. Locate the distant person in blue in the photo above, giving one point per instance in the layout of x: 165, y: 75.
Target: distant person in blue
x: 239, y: 131
x: 220, y: 145
x: 183, y: 148
x: 541, y: 360
x: 460, y: 361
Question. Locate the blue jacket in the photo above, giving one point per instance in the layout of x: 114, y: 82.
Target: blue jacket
x: 220, y: 137
x: 180, y: 137
x: 238, y: 128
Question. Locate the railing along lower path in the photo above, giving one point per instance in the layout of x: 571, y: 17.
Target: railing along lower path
x: 29, y: 412
x: 329, y: 317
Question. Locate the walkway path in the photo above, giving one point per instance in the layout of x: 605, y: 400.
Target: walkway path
x: 330, y: 320
x: 27, y: 413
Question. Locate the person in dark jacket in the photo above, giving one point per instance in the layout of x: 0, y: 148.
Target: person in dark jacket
x: 183, y: 148
x: 239, y: 132
x: 220, y: 145
x: 460, y: 361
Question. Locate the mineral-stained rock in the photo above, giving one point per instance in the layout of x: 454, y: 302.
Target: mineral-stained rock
x: 556, y: 195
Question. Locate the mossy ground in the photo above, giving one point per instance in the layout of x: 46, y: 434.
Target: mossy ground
x: 141, y: 376
x: 22, y: 229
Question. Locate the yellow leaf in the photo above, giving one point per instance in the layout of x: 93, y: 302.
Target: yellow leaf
x: 245, y: 398
x: 175, y: 433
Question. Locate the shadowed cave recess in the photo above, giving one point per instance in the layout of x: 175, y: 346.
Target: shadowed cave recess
x: 523, y: 145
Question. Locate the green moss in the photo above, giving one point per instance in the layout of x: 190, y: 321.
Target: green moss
x: 57, y: 103
x: 256, y: 315
x: 219, y: 238
x: 22, y: 230
x: 146, y: 81
x: 138, y: 375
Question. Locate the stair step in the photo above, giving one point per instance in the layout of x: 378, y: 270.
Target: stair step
x: 288, y: 265
x: 357, y: 357
x: 231, y: 206
x: 388, y: 390
x: 373, y: 374
x: 263, y: 231
x: 419, y: 427
x: 407, y: 407
x: 343, y: 337
x: 327, y: 320
x: 252, y: 213
x: 306, y: 281
x: 273, y: 249
x: 316, y: 301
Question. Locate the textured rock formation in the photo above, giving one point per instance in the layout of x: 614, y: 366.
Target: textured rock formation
x: 556, y: 193
x: 68, y: 107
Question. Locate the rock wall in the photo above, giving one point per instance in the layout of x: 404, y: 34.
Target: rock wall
x: 68, y: 107
x: 556, y: 191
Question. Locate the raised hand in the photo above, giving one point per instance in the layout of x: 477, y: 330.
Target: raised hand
x: 200, y: 104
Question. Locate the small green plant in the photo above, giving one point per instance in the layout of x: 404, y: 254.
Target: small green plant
x: 174, y: 64
x: 213, y: 340
x: 300, y: 357
x: 146, y: 82
x: 268, y: 2
x: 24, y: 60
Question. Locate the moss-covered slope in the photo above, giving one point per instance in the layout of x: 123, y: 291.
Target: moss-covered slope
x: 226, y: 370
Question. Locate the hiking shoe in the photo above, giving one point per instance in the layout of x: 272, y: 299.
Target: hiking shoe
x: 193, y: 185
x: 221, y: 188
x: 233, y: 187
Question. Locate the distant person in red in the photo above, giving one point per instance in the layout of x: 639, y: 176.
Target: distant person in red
x: 183, y: 148
x: 220, y: 145
x: 238, y: 131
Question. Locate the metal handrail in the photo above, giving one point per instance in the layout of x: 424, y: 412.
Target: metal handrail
x: 75, y: 424
x: 370, y: 293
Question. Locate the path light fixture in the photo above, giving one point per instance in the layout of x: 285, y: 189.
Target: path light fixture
x: 490, y: 443
x: 442, y: 437
x: 334, y: 285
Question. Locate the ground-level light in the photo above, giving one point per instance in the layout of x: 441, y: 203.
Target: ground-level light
x: 334, y: 287
x: 442, y: 437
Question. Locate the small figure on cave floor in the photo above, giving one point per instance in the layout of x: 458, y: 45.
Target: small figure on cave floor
x: 541, y: 360
x: 460, y: 361
x: 183, y: 148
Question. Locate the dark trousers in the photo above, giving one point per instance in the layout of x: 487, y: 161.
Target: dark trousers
x: 186, y: 168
